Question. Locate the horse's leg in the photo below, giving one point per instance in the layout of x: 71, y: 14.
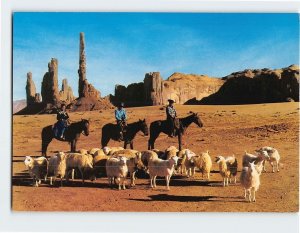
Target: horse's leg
x: 152, y: 141
x: 131, y: 145
x: 73, y: 145
x: 179, y: 140
x: 125, y: 144
x: 45, y: 141
x: 104, y: 142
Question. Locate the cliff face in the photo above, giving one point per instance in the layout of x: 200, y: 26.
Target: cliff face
x: 258, y: 86
x: 243, y: 87
x: 155, y: 91
x: 184, y: 88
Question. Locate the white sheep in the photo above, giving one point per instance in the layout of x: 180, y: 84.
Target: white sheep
x: 187, y: 164
x: 232, y: 164
x: 134, y: 162
x: 147, y: 155
x: 273, y: 157
x: 116, y: 168
x: 99, y: 152
x: 57, y: 167
x: 248, y: 158
x: 170, y: 152
x: 204, y: 163
x: 83, y: 151
x: 37, y: 169
x: 224, y: 169
x: 93, y: 151
x: 110, y: 150
x: 250, y: 180
x: 159, y: 167
x: 80, y: 161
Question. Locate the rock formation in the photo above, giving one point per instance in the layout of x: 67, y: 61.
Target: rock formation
x: 50, y: 93
x: 30, y: 89
x: 258, y: 86
x: 132, y: 95
x: 31, y: 96
x: 89, y: 97
x: 155, y: 91
x: 183, y: 88
x: 66, y: 93
x: 244, y: 87
x: 84, y: 88
x: 153, y: 88
x: 82, y: 65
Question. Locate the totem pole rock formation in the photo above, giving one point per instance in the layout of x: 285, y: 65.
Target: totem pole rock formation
x: 85, y: 89
x: 50, y: 93
x: 66, y: 93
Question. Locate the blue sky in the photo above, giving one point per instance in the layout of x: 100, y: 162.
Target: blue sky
x: 122, y: 47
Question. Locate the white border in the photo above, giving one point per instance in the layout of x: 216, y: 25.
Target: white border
x: 117, y: 222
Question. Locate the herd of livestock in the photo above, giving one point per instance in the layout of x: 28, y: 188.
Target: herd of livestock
x: 116, y: 163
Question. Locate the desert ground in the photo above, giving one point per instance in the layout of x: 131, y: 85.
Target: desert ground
x: 227, y: 130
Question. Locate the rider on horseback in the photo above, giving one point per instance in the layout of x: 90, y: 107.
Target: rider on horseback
x: 120, y: 115
x: 62, y: 121
x: 171, y: 117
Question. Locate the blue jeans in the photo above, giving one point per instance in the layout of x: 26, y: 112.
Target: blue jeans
x: 60, y: 128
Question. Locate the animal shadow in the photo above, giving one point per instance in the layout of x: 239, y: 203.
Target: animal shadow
x: 176, y: 198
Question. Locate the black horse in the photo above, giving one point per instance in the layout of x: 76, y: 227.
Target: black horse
x: 111, y: 131
x: 157, y: 127
x: 72, y: 134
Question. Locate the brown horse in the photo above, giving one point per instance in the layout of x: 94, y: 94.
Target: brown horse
x: 158, y: 127
x: 111, y: 131
x: 72, y: 134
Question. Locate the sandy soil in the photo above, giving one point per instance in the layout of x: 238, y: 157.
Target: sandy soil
x: 227, y: 130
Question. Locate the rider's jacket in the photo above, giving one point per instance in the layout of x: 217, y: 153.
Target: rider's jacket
x: 120, y: 114
x: 171, y: 112
x: 62, y: 115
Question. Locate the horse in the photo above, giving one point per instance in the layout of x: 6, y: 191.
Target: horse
x: 111, y: 131
x: 72, y: 134
x: 157, y: 127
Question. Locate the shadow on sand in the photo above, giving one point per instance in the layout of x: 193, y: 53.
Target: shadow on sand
x: 180, y: 198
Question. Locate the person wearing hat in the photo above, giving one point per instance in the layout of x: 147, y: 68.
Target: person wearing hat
x: 121, y: 117
x: 171, y: 116
x: 62, y: 121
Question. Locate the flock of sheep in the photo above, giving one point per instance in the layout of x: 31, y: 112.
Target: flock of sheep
x: 117, y: 162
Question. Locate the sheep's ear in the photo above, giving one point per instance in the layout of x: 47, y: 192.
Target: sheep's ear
x: 207, y: 151
x: 246, y: 152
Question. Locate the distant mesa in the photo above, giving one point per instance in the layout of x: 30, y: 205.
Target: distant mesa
x: 156, y: 91
x: 257, y: 86
x: 244, y: 87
